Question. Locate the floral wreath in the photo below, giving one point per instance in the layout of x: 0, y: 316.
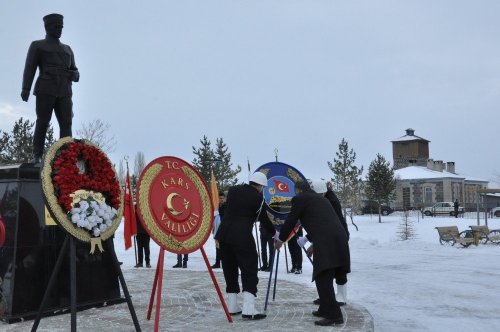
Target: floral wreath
x: 82, y: 190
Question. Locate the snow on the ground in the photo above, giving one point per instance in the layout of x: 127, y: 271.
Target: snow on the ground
x: 414, y: 285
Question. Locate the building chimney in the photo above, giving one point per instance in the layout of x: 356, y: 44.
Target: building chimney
x: 410, y: 132
x: 450, y: 167
x: 430, y: 163
x: 438, y: 165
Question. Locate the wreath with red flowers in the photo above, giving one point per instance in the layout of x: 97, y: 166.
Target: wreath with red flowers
x: 95, y: 173
x: 73, y: 171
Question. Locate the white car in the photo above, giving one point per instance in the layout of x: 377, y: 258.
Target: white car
x: 495, y: 212
x: 442, y: 208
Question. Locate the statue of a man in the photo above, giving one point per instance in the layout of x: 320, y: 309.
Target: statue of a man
x: 56, y: 72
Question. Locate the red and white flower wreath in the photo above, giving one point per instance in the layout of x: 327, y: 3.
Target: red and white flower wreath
x: 75, y: 171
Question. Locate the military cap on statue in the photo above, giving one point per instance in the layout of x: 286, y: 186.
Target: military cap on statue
x: 52, y: 18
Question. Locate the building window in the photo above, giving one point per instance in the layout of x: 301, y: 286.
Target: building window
x: 428, y: 195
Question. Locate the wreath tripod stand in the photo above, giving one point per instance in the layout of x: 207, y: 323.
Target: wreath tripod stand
x: 70, y: 240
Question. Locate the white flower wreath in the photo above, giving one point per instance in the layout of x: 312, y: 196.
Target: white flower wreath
x: 92, y: 215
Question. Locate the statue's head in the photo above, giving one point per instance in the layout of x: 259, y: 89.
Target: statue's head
x: 53, y: 25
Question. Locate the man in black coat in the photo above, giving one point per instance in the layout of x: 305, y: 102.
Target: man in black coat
x: 56, y: 72
x: 331, y: 250
x: 244, y: 206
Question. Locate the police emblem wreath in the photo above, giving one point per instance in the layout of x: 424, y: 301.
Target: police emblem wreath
x: 82, y: 191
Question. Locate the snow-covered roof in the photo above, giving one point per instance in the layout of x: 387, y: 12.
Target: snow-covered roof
x: 410, y: 136
x: 421, y: 172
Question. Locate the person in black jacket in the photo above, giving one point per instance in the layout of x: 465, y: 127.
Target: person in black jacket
x: 244, y: 206
x: 340, y: 280
x: 330, y: 247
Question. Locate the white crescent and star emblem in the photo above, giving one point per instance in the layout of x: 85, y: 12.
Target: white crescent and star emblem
x: 170, y: 205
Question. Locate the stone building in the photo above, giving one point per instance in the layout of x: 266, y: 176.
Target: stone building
x: 422, y: 181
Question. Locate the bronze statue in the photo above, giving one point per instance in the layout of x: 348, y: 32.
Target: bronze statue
x: 56, y: 72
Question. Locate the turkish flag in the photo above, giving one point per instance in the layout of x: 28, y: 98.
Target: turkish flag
x: 281, y: 186
x: 130, y: 223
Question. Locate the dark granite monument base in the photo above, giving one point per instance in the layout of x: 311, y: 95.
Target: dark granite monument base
x: 30, y: 250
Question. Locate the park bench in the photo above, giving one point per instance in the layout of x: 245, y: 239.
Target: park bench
x: 484, y: 234
x: 450, y: 235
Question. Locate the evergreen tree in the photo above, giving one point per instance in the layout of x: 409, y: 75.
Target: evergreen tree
x: 205, y: 156
x: 19, y: 147
x: 4, y: 140
x: 347, y: 181
x: 380, y: 182
x: 49, y: 139
x: 224, y: 175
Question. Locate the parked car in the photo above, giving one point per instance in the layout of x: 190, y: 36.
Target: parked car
x: 495, y: 212
x: 442, y: 208
x: 371, y: 207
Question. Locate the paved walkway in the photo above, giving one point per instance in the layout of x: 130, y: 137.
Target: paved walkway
x: 190, y: 303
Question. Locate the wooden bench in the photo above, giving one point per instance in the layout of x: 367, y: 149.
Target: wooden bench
x: 484, y: 234
x: 450, y: 235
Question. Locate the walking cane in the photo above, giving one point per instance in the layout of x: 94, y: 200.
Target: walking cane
x: 310, y: 260
x: 258, y: 245
x: 135, y: 249
x: 271, y: 264
x: 286, y: 258
x: 276, y: 275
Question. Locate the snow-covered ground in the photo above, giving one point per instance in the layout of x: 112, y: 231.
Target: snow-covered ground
x: 414, y: 285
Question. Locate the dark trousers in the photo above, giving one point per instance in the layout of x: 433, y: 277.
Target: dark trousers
x: 143, y: 247
x: 295, y: 252
x: 63, y: 109
x: 266, y: 242
x: 182, y: 260
x: 217, y: 256
x: 328, y: 306
x: 242, y: 256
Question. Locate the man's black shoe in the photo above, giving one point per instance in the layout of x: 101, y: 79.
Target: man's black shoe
x: 298, y: 271
x: 184, y: 265
x: 339, y: 303
x: 330, y: 322
x: 264, y: 267
x: 148, y: 265
x: 215, y: 266
x: 177, y: 265
x: 293, y: 270
x: 254, y: 317
x: 138, y: 265
x: 316, y: 313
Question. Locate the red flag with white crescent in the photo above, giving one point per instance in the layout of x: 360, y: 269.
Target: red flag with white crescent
x: 130, y: 223
x: 281, y: 186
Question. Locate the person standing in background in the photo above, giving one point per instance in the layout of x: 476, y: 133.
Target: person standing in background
x: 143, y: 240
x: 217, y: 221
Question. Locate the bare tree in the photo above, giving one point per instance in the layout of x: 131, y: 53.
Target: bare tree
x: 139, y: 163
x: 121, y: 172
x: 98, y: 132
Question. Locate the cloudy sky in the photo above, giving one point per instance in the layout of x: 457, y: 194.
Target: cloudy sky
x: 297, y: 76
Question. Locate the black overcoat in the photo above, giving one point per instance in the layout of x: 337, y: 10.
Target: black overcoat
x: 334, y: 200
x: 316, y: 214
x: 244, y: 205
